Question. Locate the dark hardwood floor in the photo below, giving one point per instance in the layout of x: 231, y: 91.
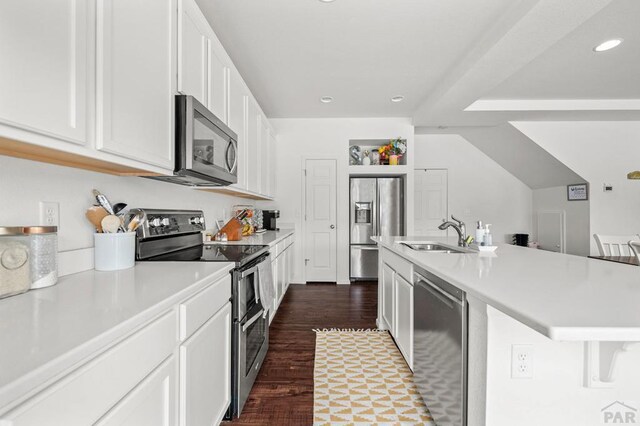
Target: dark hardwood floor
x: 283, y: 392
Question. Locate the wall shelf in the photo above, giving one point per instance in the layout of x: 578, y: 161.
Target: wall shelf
x: 378, y: 170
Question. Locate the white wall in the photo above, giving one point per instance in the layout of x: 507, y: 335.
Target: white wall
x: 601, y: 152
x: 576, y: 217
x: 23, y: 184
x: 326, y: 138
x: 479, y: 188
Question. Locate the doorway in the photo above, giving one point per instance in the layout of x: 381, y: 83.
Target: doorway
x: 320, y: 218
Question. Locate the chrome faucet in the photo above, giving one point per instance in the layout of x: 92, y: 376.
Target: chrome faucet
x: 459, y: 227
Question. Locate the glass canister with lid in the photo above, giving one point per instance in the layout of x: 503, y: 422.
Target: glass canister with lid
x: 28, y: 258
x: 43, y: 242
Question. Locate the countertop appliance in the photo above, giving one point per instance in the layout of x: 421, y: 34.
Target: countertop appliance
x: 270, y: 219
x: 440, y: 347
x: 206, y: 149
x: 175, y: 236
x: 376, y: 208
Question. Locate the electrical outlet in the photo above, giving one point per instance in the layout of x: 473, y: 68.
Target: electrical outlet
x: 50, y: 213
x: 521, y: 361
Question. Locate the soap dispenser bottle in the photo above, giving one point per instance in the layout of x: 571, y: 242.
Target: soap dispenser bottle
x: 479, y: 233
x: 488, y: 239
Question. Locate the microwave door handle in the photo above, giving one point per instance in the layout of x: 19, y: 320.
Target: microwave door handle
x: 231, y: 167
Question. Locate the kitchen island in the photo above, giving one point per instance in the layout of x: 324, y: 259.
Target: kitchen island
x: 578, y: 317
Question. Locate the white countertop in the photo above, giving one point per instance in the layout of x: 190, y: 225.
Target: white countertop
x: 45, y: 332
x: 268, y: 238
x: 564, y: 297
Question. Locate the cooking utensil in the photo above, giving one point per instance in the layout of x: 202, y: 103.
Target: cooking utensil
x: 137, y: 220
x: 118, y: 207
x: 103, y: 201
x: 95, y: 214
x: 111, y: 224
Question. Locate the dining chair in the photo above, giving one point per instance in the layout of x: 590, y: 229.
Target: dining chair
x: 615, y: 245
x: 634, y: 245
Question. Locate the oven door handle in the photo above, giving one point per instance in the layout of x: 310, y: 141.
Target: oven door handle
x: 253, y: 319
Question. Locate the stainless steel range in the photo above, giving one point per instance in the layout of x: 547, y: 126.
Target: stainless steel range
x: 175, y: 236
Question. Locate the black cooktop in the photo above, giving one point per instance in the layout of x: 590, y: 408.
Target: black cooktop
x: 240, y: 254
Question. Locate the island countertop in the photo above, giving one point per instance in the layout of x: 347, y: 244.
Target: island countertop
x: 564, y: 297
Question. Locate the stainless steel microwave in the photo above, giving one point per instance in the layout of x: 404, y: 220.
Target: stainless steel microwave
x: 206, y: 152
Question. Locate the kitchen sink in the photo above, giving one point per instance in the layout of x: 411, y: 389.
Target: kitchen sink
x: 434, y: 247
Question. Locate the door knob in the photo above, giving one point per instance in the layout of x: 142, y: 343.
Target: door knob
x: 332, y: 227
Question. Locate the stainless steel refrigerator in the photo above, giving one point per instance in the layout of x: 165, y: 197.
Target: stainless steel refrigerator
x: 376, y: 208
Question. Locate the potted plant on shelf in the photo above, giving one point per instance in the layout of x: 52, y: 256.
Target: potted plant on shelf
x: 392, y: 152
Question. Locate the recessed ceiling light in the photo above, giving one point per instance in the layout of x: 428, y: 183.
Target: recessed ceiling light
x: 326, y: 99
x: 397, y: 99
x: 608, y: 45
x: 327, y: 1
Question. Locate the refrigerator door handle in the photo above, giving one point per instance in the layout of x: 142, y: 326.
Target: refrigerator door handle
x: 376, y: 211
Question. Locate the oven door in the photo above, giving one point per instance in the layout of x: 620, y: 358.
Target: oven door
x: 253, y: 343
x: 206, y: 146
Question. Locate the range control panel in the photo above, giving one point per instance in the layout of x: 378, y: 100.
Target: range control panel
x: 170, y: 222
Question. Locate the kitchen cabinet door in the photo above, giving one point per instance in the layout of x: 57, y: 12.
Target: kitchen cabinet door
x: 404, y: 317
x: 238, y: 123
x: 151, y: 403
x: 265, y: 156
x: 218, y: 81
x: 289, y: 254
x: 193, y: 47
x: 282, y: 275
x: 253, y: 146
x: 273, y: 164
x: 205, y: 372
x: 388, y: 293
x: 136, y: 69
x: 43, y: 76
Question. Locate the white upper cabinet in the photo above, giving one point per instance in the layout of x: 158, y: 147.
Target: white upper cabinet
x: 238, y: 122
x: 254, y: 128
x: 136, y: 61
x: 273, y: 164
x: 218, y: 82
x: 193, y: 47
x: 264, y: 156
x: 43, y: 76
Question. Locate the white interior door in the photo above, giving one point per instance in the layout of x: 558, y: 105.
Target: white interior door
x: 551, y: 230
x: 320, y: 220
x: 431, y: 200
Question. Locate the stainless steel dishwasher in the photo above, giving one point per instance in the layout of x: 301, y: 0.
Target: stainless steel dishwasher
x: 440, y: 348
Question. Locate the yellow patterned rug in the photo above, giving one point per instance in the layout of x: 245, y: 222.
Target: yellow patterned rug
x: 360, y: 377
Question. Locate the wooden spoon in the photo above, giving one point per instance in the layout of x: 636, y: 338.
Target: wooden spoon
x: 95, y: 214
x: 111, y: 224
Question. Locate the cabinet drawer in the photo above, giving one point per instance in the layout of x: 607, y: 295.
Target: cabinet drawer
x: 86, y: 394
x: 288, y: 241
x: 273, y: 252
x: 400, y: 265
x: 196, y: 310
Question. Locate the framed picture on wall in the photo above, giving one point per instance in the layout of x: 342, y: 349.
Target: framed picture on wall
x: 578, y: 192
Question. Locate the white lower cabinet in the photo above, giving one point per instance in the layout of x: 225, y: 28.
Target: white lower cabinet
x: 404, y: 317
x: 149, y: 377
x: 396, y: 301
x: 205, y: 365
x: 388, y: 293
x: 151, y: 403
x: 281, y: 268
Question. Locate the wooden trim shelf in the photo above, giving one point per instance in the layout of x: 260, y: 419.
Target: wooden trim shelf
x: 12, y: 148
x: 379, y: 170
x: 237, y: 192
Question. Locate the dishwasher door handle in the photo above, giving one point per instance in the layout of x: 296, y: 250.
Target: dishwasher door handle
x: 437, y: 291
